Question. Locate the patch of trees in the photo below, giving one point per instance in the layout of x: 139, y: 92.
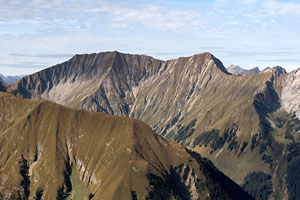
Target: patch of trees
x: 184, y: 132
x: 293, y: 171
x: 258, y: 184
x: 215, y: 141
x: 25, y: 183
x: 166, y: 186
x: 218, y: 185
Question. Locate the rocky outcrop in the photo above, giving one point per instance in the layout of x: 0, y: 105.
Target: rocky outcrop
x: 291, y: 93
x: 277, y: 69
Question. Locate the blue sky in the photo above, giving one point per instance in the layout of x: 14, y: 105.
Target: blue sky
x: 36, y: 34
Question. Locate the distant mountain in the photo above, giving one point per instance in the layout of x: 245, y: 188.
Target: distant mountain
x: 237, y: 70
x: 52, y: 152
x: 247, y: 125
x: 277, y: 69
x: 10, y: 79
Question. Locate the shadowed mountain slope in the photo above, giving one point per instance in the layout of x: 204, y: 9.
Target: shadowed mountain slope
x: 244, y: 124
x: 2, y: 85
x: 43, y: 144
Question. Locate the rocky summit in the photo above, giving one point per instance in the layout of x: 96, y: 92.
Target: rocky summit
x: 52, y: 152
x: 247, y: 125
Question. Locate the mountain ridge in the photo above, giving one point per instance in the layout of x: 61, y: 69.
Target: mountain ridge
x: 237, y: 70
x: 10, y: 79
x: 115, y: 157
x: 241, y: 123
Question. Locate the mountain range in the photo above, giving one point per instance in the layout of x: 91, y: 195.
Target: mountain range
x: 52, y: 152
x: 237, y: 70
x: 247, y: 125
x: 10, y: 79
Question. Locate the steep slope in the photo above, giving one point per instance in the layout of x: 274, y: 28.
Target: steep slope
x: 194, y: 101
x: 105, y: 81
x: 44, y: 144
x: 291, y: 94
x: 179, y: 99
x: 237, y: 70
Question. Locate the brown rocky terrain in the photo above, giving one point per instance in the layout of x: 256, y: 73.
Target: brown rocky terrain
x: 52, y: 152
x: 244, y: 124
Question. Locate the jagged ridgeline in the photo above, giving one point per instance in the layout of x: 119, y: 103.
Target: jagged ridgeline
x: 247, y: 125
x: 52, y: 152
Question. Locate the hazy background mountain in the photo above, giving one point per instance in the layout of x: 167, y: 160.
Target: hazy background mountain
x: 237, y: 70
x: 247, y: 125
x: 10, y: 79
x: 52, y: 152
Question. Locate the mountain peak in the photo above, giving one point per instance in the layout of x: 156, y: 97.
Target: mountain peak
x: 219, y: 64
x: 276, y: 69
x: 279, y: 69
x: 209, y: 56
x: 204, y: 54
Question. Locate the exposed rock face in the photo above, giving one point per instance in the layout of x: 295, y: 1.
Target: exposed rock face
x: 97, y: 82
x: 237, y: 70
x: 291, y: 93
x: 244, y: 124
x: 44, y: 144
x: 277, y: 69
x: 123, y: 84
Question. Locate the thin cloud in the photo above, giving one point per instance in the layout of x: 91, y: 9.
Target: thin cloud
x: 213, y: 48
x: 24, y: 65
x: 166, y: 53
x: 280, y: 60
x: 256, y: 53
x: 155, y: 16
x: 148, y: 14
x: 223, y: 27
x: 55, y: 56
x: 282, y: 8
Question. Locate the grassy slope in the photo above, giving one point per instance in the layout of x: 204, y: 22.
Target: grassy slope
x: 113, y: 155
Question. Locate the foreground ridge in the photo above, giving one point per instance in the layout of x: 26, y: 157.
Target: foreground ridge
x: 52, y: 152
